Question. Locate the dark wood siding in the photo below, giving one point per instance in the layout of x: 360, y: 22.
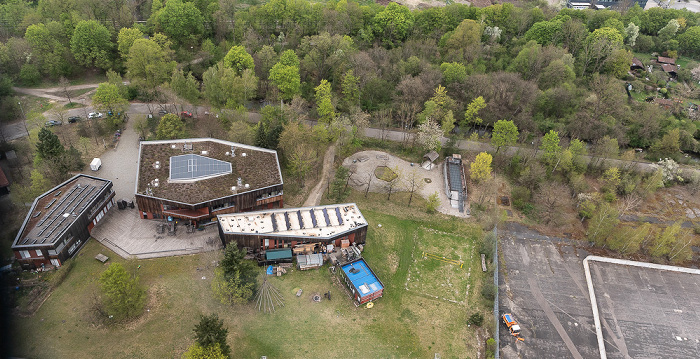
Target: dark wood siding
x: 257, y: 241
x: 242, y: 201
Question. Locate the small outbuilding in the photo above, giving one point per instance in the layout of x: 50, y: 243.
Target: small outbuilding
x: 310, y: 261
x: 669, y: 69
x: 637, y: 64
x: 666, y: 60
x: 429, y: 160
x: 273, y: 256
x: 362, y: 282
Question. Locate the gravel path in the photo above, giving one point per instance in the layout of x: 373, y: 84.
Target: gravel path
x: 316, y: 193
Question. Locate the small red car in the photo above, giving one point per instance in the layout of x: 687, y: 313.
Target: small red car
x: 185, y: 114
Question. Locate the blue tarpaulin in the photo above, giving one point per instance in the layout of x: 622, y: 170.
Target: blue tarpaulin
x: 269, y: 270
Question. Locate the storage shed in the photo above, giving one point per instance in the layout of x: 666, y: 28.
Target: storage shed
x: 310, y: 261
x: 362, y: 282
x: 283, y: 255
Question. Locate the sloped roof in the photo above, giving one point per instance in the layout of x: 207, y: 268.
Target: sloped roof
x: 637, y: 62
x: 669, y: 68
x: 666, y: 60
x: 4, y: 182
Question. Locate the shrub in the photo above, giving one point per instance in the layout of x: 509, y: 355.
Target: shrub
x: 520, y: 197
x: 488, y: 292
x: 476, y: 319
x: 433, y: 203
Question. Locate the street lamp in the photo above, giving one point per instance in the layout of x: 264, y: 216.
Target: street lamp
x: 24, y: 118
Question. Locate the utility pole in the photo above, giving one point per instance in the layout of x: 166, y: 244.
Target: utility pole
x: 24, y: 121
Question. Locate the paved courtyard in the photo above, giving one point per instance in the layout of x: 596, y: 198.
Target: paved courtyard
x: 373, y: 159
x: 126, y: 234
x: 645, y: 313
x: 122, y: 230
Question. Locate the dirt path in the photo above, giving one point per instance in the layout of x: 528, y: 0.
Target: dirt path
x: 317, y: 192
x: 47, y: 92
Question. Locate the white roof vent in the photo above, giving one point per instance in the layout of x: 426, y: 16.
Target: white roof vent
x: 243, y: 154
x: 228, y: 153
x: 173, y: 146
x: 205, y: 153
x: 247, y: 185
x: 240, y: 182
x: 156, y: 182
x: 157, y: 165
x: 66, y: 215
x: 233, y: 189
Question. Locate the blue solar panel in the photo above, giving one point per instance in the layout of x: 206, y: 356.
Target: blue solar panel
x: 274, y: 223
x: 313, y: 218
x: 337, y: 213
x: 286, y: 220
x: 194, y: 167
x: 301, y: 221
x: 325, y: 215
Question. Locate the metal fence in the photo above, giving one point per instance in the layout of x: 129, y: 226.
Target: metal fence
x: 495, y: 302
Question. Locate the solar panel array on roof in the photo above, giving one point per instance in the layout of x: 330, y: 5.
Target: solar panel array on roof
x: 286, y: 220
x: 325, y: 215
x: 340, y: 218
x: 274, y: 223
x: 301, y: 221
x: 313, y: 218
x: 195, y: 167
x: 455, y: 173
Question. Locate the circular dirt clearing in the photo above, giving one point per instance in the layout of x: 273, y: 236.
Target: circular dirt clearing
x: 385, y: 173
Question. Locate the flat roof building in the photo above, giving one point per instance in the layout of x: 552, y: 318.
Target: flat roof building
x: 362, y: 282
x: 199, y: 178
x: 289, y: 227
x: 60, y: 220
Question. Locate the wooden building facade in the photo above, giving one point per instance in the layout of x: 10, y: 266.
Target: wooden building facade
x: 60, y: 221
x: 291, y: 227
x: 200, y: 178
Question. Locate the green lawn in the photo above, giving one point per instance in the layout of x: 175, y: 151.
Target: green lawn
x: 402, y: 324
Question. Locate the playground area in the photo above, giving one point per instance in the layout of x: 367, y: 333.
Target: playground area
x: 367, y: 165
x: 442, y: 265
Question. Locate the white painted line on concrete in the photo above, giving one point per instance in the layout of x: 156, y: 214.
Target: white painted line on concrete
x: 591, y: 291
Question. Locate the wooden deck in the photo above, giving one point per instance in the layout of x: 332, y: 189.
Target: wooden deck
x: 126, y: 234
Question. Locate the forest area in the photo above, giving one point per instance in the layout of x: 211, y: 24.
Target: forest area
x: 523, y: 73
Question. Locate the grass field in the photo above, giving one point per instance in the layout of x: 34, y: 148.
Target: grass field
x: 402, y: 324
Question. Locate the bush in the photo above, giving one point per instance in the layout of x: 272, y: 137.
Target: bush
x: 433, y: 203
x: 486, y: 245
x: 29, y: 75
x: 124, y: 297
x: 476, y: 319
x: 520, y: 197
x: 490, y: 348
x: 488, y: 292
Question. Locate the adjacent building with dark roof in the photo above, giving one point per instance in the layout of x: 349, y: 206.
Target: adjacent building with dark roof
x: 198, y: 179
x: 455, y: 181
x: 60, y: 220
x: 289, y: 227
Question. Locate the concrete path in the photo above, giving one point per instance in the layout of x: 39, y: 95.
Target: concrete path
x: 314, y: 198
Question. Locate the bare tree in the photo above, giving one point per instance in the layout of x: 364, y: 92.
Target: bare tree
x: 552, y: 200
x: 393, y: 178
x: 383, y: 120
x: 370, y: 175
x: 63, y: 83
x: 414, y: 183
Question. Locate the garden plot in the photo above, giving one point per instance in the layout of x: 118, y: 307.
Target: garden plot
x: 441, y: 266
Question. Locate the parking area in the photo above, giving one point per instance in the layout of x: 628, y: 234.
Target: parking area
x: 645, y: 313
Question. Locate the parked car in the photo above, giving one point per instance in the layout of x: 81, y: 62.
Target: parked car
x: 185, y: 114
x: 53, y: 123
x: 73, y: 119
x: 162, y: 112
x: 94, y: 115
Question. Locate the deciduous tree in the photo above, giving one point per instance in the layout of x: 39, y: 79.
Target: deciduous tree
x: 180, y: 21
x: 285, y: 75
x: 148, y: 63
x: 552, y: 149
x: 125, y: 39
x: 429, y: 135
x: 324, y: 102
x: 108, y: 97
x: 124, y: 297
x: 471, y: 115
x: 505, y: 133
x: 480, y: 168
x: 239, y: 60
x: 91, y: 44
x: 170, y: 127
